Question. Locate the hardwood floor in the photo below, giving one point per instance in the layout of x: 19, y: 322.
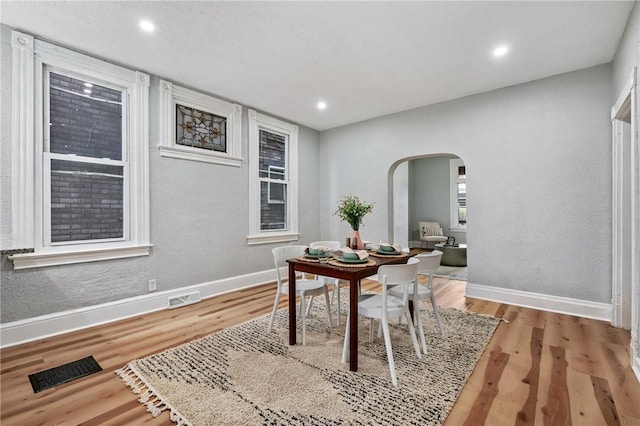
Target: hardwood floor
x: 540, y: 368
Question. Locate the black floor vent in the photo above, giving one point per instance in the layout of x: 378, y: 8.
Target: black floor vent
x: 57, y: 376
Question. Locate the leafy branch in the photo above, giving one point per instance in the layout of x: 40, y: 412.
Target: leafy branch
x: 352, y: 210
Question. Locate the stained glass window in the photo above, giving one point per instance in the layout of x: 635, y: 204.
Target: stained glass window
x: 200, y: 129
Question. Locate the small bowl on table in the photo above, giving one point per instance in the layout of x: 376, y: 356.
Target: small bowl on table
x: 350, y: 256
x: 314, y: 251
x: 387, y: 248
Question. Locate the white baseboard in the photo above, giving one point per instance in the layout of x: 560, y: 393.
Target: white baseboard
x: 635, y: 356
x: 23, y: 331
x: 544, y: 302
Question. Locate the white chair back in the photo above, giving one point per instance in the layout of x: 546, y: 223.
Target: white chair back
x: 281, y: 254
x: 429, y: 262
x: 399, y: 274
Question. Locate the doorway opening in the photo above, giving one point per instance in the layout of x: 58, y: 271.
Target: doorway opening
x: 432, y: 189
x: 625, y: 279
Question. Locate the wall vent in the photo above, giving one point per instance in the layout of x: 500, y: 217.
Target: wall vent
x: 184, y: 300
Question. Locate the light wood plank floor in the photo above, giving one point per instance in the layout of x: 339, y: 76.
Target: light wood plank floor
x: 540, y: 368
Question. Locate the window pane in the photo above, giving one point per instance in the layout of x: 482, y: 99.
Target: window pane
x: 272, y: 155
x: 85, y: 119
x: 273, y: 213
x: 200, y: 129
x: 86, y: 201
x: 462, y: 203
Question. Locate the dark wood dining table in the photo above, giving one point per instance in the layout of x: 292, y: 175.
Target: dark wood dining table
x: 347, y: 273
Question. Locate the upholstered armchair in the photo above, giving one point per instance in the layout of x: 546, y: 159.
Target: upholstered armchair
x: 431, y: 232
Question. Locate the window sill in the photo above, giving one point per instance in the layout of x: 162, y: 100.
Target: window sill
x: 37, y: 260
x: 272, y: 238
x: 186, y: 154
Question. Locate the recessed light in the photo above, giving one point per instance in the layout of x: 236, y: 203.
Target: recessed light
x: 87, y: 90
x: 500, y: 51
x: 88, y: 85
x: 146, y: 25
x: 321, y: 105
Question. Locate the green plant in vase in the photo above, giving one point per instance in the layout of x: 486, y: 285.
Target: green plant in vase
x: 352, y: 210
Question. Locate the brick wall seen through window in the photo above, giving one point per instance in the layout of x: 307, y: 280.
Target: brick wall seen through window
x: 86, y: 197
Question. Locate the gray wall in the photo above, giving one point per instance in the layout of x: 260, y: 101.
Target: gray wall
x: 538, y: 157
x: 199, y: 221
x: 628, y: 54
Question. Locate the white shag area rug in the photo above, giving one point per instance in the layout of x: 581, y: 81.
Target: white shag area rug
x: 452, y: 272
x: 247, y: 376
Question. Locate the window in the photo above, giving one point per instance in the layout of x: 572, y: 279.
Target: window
x: 277, y: 189
x: 458, y: 181
x: 273, y: 188
x: 89, y: 198
x: 199, y: 127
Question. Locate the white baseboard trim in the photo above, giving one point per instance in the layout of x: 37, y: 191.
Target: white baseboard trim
x: 635, y: 366
x: 27, y: 330
x: 544, y: 302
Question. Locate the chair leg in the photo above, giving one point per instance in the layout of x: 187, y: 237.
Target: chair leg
x: 387, y: 344
x: 336, y: 289
x: 304, y: 319
x: 273, y: 312
x: 371, y: 329
x: 309, y: 306
x: 345, y: 346
x: 326, y: 299
x: 435, y: 312
x: 416, y: 314
x: 412, y: 332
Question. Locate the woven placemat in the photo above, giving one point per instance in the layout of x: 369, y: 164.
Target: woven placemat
x: 376, y: 254
x: 352, y: 265
x: 307, y: 259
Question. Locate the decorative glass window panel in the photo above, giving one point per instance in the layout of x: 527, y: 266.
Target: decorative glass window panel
x: 200, y: 129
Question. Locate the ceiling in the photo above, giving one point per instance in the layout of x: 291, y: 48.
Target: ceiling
x: 364, y: 59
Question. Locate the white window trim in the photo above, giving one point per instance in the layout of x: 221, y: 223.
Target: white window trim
x: 454, y: 163
x: 281, y: 171
x: 29, y: 57
x: 259, y: 122
x: 172, y: 94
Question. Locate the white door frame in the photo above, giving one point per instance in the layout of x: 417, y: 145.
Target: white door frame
x: 626, y: 103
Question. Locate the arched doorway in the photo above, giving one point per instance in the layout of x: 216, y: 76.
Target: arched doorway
x: 427, y: 188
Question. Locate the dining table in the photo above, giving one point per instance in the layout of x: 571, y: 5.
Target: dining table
x: 353, y: 273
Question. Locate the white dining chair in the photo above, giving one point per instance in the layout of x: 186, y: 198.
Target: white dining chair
x: 304, y: 287
x: 428, y: 265
x: 386, y: 306
x: 335, y: 282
